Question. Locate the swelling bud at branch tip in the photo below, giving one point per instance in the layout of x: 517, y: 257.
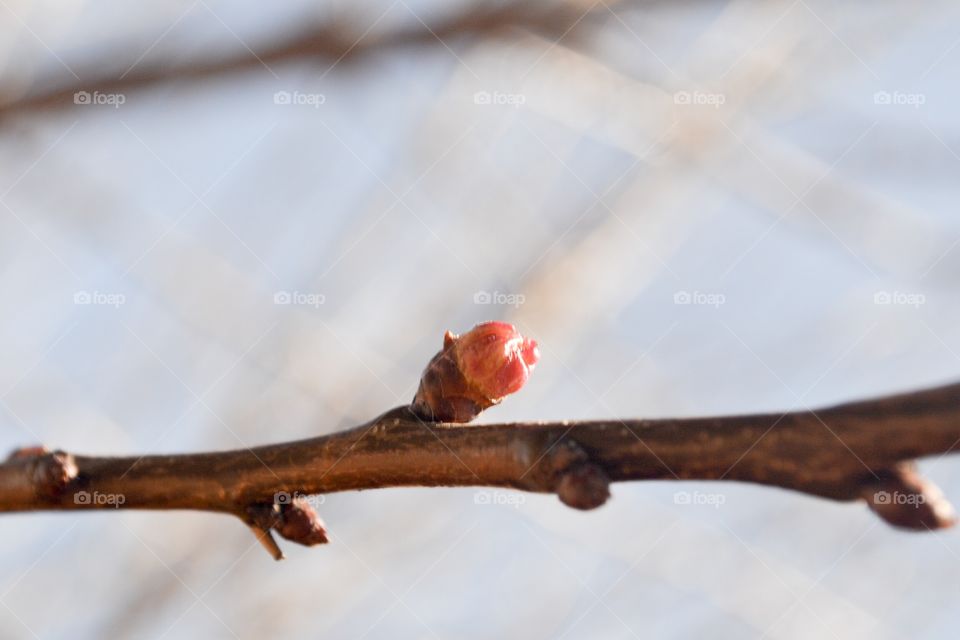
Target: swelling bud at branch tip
x: 474, y: 371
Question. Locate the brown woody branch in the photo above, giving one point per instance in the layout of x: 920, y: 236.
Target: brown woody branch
x: 853, y: 451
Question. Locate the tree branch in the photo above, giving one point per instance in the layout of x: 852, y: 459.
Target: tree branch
x: 339, y: 40
x: 848, y: 452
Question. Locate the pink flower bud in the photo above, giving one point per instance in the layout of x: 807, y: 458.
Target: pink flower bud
x: 495, y: 358
x: 475, y: 371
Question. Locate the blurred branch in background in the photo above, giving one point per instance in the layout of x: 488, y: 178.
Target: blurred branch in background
x: 339, y: 39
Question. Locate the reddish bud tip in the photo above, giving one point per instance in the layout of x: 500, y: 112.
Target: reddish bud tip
x: 495, y: 358
x: 474, y: 371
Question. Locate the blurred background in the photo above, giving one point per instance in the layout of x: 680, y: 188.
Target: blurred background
x: 225, y: 224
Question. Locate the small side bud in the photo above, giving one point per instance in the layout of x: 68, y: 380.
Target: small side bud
x: 299, y: 522
x: 907, y: 500
x: 474, y: 371
x: 293, y: 518
x: 585, y: 486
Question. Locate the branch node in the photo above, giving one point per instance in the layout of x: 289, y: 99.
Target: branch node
x: 49, y: 471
